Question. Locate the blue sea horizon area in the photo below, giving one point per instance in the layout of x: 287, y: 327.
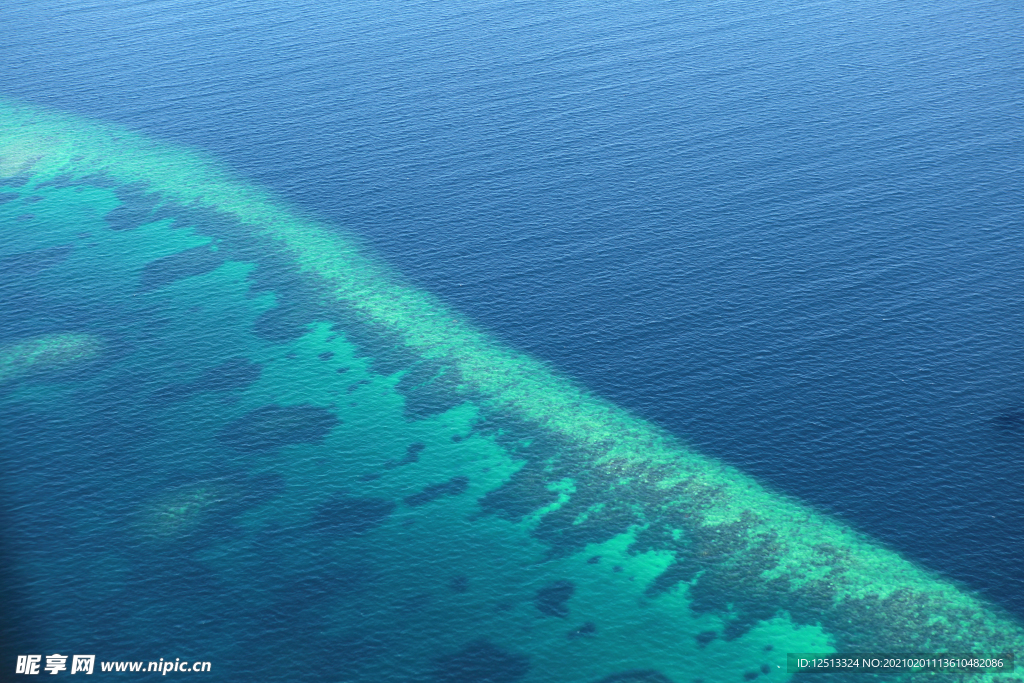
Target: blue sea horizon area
x: 788, y: 234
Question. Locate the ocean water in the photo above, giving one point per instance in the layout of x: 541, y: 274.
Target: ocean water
x: 786, y: 236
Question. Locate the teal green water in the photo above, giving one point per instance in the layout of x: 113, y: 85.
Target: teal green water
x: 465, y: 492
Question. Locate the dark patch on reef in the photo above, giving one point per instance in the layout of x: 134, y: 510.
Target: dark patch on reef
x: 282, y: 324
x: 453, y: 487
x: 750, y: 675
x: 429, y: 389
x: 19, y: 180
x: 69, y: 180
x: 29, y: 263
x: 275, y: 273
x: 136, y: 208
x: 412, y: 455
x: 326, y: 355
x: 725, y: 566
x: 8, y: 197
x: 297, y: 302
x: 594, y: 514
x: 553, y: 599
x: 352, y: 387
x: 682, y: 570
x: 704, y: 638
x: 346, y: 515
x: 637, y: 676
x: 601, y: 507
x: 524, y: 492
x: 386, y: 350
x: 188, y: 263
x: 481, y: 662
x: 298, y: 298
x: 273, y: 426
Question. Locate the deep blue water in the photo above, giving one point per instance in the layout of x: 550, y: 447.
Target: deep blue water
x: 789, y: 232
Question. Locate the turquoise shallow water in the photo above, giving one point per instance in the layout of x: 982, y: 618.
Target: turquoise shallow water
x: 233, y: 437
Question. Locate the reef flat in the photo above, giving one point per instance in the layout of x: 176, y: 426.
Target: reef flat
x: 51, y: 351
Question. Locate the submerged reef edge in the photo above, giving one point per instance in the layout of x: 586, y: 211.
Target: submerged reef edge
x: 737, y: 547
